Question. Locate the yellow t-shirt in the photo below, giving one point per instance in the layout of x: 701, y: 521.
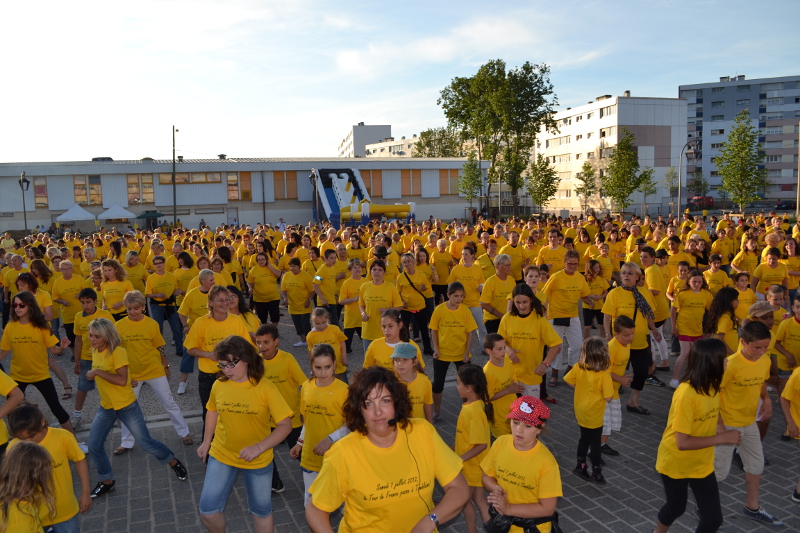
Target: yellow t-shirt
x: 472, y: 428
x: 619, y: 355
x: 206, y: 332
x: 517, y: 254
x: 591, y: 390
x: 325, y: 278
x: 441, y: 262
x: 285, y: 373
x: 137, y: 276
x: 497, y: 379
x: 747, y: 261
x: 43, y: 299
x: 452, y: 328
x: 789, y: 337
x: 29, y: 345
x: 351, y: 288
x: 68, y: 291
x: 527, y: 476
x: 331, y: 335
x: 674, y: 259
x: 770, y: 276
x: 6, y: 386
x: 420, y: 392
x: 382, y: 486
x: 597, y: 286
x: 23, y: 518
x: 548, y: 256
x: 746, y: 299
x: 297, y: 288
x: 183, y: 277
x: 741, y: 389
x: 654, y: 280
x: 264, y: 283
x: 691, y: 306
x: 164, y: 284
x: 529, y: 335
x: 563, y: 294
x: 114, y: 397
x: 620, y: 302
x: 414, y: 299
x: 81, y: 329
x: 10, y: 280
x: 372, y: 298
x: 322, y: 410
x: 717, y: 280
x: 63, y: 448
x: 793, y: 264
x: 380, y: 352
x: 246, y: 414
x: 496, y: 293
x: 141, y: 340
x: 234, y: 270
x: 194, y: 305
x: 792, y: 393
x: 731, y: 333
x: 471, y: 278
x: 693, y: 414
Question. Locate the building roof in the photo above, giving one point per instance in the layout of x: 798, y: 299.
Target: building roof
x: 231, y: 160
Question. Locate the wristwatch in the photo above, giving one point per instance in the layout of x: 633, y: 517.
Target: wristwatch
x: 434, y: 519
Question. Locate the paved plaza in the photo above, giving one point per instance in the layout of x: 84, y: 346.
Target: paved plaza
x: 148, y: 497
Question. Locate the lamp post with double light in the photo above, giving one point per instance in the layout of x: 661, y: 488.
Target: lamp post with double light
x: 24, y: 185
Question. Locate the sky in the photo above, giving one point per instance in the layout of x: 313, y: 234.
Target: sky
x: 249, y: 78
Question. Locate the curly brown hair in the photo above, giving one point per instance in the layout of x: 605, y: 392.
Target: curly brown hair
x: 234, y: 348
x: 366, y: 381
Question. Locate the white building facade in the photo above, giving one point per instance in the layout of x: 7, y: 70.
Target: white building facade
x: 402, y: 147
x: 355, y: 142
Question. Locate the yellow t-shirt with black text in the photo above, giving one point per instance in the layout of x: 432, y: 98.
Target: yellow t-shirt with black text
x: 591, y: 390
x: 322, y: 410
x: 472, y: 428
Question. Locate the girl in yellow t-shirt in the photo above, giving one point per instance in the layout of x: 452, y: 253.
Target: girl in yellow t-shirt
x: 410, y: 371
x: 686, y: 315
x: 792, y: 261
x: 323, y: 332
x: 243, y: 408
x: 26, y: 489
x: 787, y: 343
x: 593, y: 390
x: 114, y: 287
x: 593, y: 303
x: 395, y: 331
x: 348, y: 299
x: 322, y: 401
x: 770, y: 273
x: 686, y: 453
x: 722, y: 321
x: 747, y: 297
x: 375, y: 297
x: 452, y: 326
x: 473, y: 437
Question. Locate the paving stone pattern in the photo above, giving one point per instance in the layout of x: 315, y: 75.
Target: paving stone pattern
x: 148, y: 497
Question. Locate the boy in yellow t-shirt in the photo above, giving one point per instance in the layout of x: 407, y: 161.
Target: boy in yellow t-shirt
x: 715, y: 277
x: 619, y: 350
x: 503, y: 388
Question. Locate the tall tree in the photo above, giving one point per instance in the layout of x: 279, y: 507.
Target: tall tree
x: 542, y: 182
x: 671, y: 183
x: 738, y: 162
x: 647, y: 185
x: 621, y: 177
x: 588, y: 184
x: 502, y: 111
x: 438, y: 142
x: 700, y: 184
x: 470, y: 182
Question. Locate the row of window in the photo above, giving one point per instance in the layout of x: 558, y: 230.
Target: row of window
x: 764, y: 87
x: 604, y: 112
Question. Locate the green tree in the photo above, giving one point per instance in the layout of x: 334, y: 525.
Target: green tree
x: 502, y: 111
x: 588, y: 184
x: 470, y: 182
x: 738, y: 162
x: 438, y: 142
x: 542, y: 182
x: 671, y: 183
x: 700, y: 184
x: 647, y: 185
x: 621, y: 177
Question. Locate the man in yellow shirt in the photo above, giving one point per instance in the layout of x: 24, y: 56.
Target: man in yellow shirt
x: 743, y: 401
x: 552, y: 255
x: 516, y: 253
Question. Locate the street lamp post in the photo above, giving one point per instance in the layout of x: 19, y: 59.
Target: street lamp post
x: 24, y: 185
x: 174, y: 195
x: 689, y: 154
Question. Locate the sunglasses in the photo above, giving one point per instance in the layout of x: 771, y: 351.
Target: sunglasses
x: 158, y: 262
x: 231, y: 365
x: 18, y: 306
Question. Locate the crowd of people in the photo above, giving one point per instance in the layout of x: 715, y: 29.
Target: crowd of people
x: 528, y: 292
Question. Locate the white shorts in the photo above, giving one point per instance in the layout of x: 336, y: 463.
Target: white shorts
x: 750, y: 450
x: 308, y: 480
x: 612, y: 418
x: 532, y: 390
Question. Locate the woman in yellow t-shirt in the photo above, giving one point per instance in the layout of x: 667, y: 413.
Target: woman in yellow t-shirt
x: 241, y: 410
x: 135, y: 271
x: 470, y: 275
x: 520, y: 473
x: 686, y: 453
x: 142, y: 339
x: 110, y: 369
x: 263, y: 280
x: 386, y: 444
x: 28, y: 335
x: 114, y: 287
x: 747, y: 259
x: 593, y: 303
x: 376, y: 297
x: 686, y: 315
x: 722, y: 322
x: 27, y: 496
x: 413, y: 286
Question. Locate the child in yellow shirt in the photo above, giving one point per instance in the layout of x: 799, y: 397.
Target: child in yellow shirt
x: 619, y: 350
x: 323, y: 332
x: 722, y: 321
x: 691, y: 302
x: 410, y: 371
x: 790, y: 402
x: 503, y: 386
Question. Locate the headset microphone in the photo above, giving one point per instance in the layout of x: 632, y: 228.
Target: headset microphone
x: 392, y: 421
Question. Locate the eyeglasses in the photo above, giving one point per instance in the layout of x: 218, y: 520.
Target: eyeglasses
x: 231, y: 365
x: 158, y: 262
x: 18, y: 306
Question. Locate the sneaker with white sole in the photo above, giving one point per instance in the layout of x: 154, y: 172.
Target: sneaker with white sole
x: 762, y: 516
x: 673, y: 383
x: 84, y: 448
x: 298, y: 344
x: 76, y: 422
x: 182, y: 387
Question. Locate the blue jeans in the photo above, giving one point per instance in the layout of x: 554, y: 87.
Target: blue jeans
x: 159, y: 314
x: 67, y: 526
x: 219, y: 481
x: 132, y: 417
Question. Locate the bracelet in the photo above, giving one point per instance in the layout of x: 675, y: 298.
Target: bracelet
x: 300, y: 441
x: 545, y: 363
x: 258, y: 447
x: 166, y: 366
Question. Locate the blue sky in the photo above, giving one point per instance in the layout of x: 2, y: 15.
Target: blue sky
x: 272, y: 79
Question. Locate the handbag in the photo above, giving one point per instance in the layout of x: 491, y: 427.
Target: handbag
x: 502, y: 523
x: 563, y: 321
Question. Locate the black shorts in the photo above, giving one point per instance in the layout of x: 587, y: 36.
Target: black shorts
x: 592, y: 314
x: 302, y: 323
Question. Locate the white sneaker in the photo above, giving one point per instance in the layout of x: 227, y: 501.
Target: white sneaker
x: 84, y: 448
x: 76, y: 422
x: 182, y: 387
x: 673, y: 383
x: 298, y: 344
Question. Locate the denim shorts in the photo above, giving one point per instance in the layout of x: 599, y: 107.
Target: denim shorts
x: 220, y: 479
x: 84, y: 384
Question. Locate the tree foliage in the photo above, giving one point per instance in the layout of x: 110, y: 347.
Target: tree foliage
x: 588, y: 187
x: 671, y: 181
x: 438, y: 142
x: 700, y: 184
x: 502, y: 111
x: 542, y: 182
x: 738, y: 162
x: 470, y: 182
x: 621, y: 178
x: 647, y: 184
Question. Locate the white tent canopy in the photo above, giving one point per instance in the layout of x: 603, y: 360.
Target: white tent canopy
x: 114, y: 212
x: 75, y: 213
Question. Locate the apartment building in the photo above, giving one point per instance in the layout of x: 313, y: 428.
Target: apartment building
x: 390, y: 147
x: 355, y: 142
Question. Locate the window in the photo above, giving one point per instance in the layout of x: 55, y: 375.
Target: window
x: 87, y: 190
x: 774, y: 144
x: 718, y: 90
x: 742, y: 88
x: 714, y: 173
x: 773, y: 159
x: 233, y: 186
x: 716, y: 146
x: 180, y: 177
x: 578, y: 137
x: 564, y: 158
x: 717, y: 118
x: 140, y: 188
x: 774, y: 131
x: 589, y: 115
x: 565, y: 176
x: 578, y: 118
x: 40, y: 190
x: 774, y: 173
x: 744, y: 101
x: 713, y: 160
x: 771, y: 87
x: 774, y: 101
x: 717, y: 132
x: 774, y: 116
x: 699, y: 109
x: 199, y: 177
x: 95, y: 191
x: 608, y: 132
x: 578, y: 156
x: 607, y: 111
x: 590, y: 155
x: 590, y: 135
x: 787, y: 187
x: 79, y: 184
x: 718, y: 104
x: 605, y: 152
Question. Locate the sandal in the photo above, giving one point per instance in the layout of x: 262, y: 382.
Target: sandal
x: 188, y: 440
x: 120, y: 450
x: 67, y: 395
x: 553, y: 382
x: 550, y: 399
x: 638, y: 409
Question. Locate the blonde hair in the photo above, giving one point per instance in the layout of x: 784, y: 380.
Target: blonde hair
x: 134, y: 299
x: 105, y: 328
x: 594, y: 355
x: 26, y: 475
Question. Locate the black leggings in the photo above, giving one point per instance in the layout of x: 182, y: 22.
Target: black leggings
x: 205, y: 381
x: 641, y: 360
x: 492, y: 326
x: 440, y: 372
x: 706, y: 494
x: 350, y: 333
x: 290, y: 441
x: 48, y: 390
x: 421, y: 319
x: 439, y: 290
x: 70, y: 330
x: 269, y: 310
x: 590, y: 442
